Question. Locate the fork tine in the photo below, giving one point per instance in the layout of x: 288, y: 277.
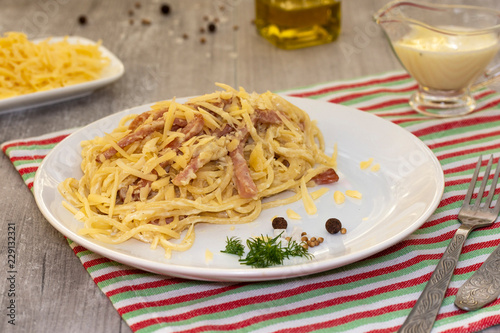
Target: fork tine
x: 493, y: 186
x: 472, y: 184
x: 486, y: 176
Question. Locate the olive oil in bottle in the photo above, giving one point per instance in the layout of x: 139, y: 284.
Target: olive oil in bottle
x: 292, y: 24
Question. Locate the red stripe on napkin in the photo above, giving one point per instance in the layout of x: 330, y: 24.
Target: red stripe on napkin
x: 53, y: 140
x: 26, y: 158
x: 352, y: 96
x: 386, y: 104
x: 351, y: 86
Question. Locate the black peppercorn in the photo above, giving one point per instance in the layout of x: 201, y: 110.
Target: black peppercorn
x: 165, y: 9
x: 279, y: 223
x: 212, y: 27
x: 333, y: 225
x: 82, y: 19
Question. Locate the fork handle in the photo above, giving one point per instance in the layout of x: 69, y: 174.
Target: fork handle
x: 422, y: 316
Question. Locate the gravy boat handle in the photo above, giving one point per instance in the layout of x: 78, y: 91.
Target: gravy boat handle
x: 490, y: 77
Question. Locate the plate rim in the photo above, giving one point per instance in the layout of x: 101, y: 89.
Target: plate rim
x: 247, y: 274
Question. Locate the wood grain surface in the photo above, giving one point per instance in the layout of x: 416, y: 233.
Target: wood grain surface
x: 164, y: 56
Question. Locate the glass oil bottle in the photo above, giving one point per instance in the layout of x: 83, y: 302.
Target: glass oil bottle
x: 292, y: 24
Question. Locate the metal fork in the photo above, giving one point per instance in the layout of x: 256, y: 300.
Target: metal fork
x: 472, y: 215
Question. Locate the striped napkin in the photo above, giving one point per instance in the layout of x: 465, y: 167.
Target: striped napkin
x: 372, y: 295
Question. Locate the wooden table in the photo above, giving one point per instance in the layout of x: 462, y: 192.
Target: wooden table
x: 164, y: 56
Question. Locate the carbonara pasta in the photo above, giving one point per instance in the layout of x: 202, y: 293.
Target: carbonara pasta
x: 27, y: 67
x: 218, y: 158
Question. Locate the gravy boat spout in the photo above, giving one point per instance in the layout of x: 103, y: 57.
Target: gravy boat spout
x: 446, y: 49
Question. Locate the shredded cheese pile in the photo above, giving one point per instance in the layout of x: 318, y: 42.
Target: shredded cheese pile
x: 27, y: 67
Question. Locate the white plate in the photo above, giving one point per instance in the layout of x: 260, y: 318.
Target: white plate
x: 109, y: 74
x: 396, y: 201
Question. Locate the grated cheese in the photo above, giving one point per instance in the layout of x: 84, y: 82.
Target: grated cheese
x: 292, y: 214
x: 318, y: 193
x: 353, y: 194
x: 209, y: 256
x: 339, y: 197
x: 306, y: 199
x: 365, y: 164
x: 27, y: 67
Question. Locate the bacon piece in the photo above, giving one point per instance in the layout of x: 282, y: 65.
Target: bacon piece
x: 244, y: 182
x: 189, y: 171
x: 140, y: 119
x: 139, y: 134
x: 221, y: 104
x: 326, y: 177
x: 192, y: 129
x: 178, y: 123
x: 121, y: 195
x: 267, y: 117
x: 138, y: 184
x: 223, y: 131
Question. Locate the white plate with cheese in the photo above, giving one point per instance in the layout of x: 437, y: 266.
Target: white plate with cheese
x: 396, y: 200
x: 109, y: 74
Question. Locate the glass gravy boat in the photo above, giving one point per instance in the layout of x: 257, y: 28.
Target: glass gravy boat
x: 446, y: 49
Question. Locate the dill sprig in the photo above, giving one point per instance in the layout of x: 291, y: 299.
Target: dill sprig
x: 265, y: 251
x: 234, y: 246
